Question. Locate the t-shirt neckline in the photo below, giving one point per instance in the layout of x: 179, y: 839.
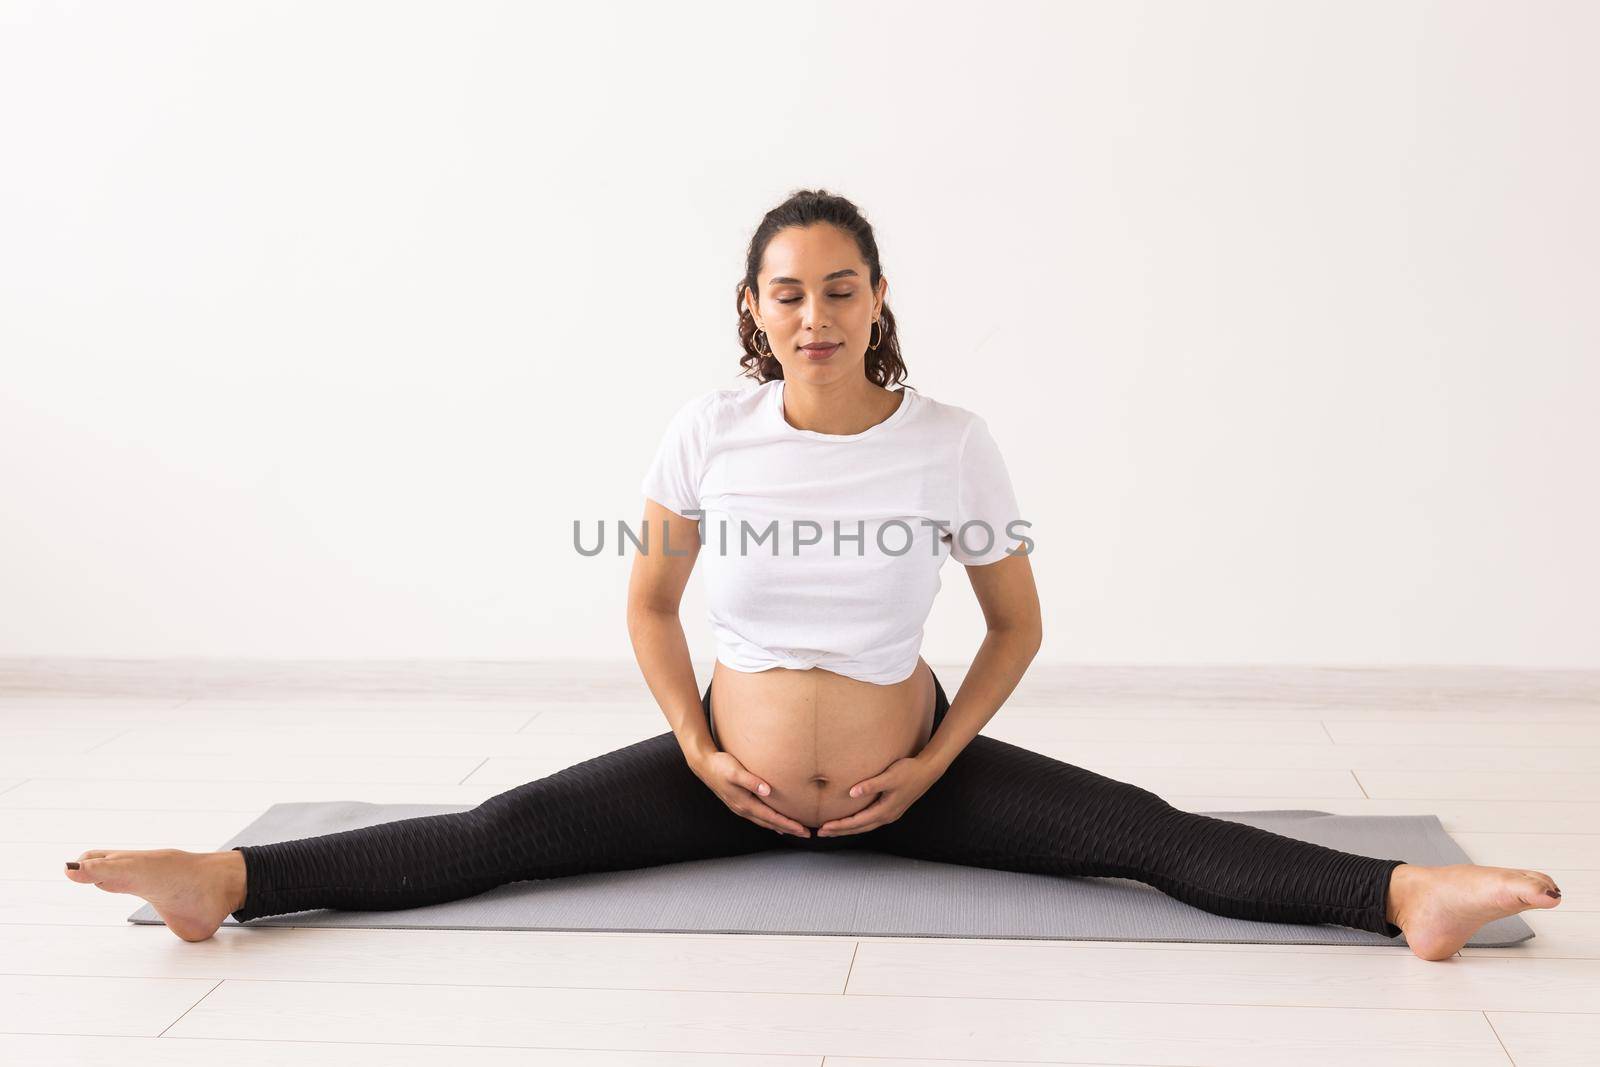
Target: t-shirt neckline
x: 895, y: 416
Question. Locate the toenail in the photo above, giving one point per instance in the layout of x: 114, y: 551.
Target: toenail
x: 1556, y: 893
x: 72, y: 865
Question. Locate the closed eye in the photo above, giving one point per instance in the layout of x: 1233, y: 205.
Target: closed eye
x: 836, y: 296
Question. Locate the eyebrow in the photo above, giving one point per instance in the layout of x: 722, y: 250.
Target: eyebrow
x: 829, y: 278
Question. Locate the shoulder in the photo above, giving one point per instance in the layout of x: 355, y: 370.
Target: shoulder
x: 696, y: 407
x: 950, y: 421
x: 710, y: 412
x: 734, y: 402
x: 731, y: 397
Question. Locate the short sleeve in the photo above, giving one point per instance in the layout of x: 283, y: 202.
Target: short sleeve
x: 985, y: 502
x: 673, y: 480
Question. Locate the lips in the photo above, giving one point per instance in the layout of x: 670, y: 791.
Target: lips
x: 818, y: 350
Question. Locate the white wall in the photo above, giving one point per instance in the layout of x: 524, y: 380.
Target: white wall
x: 321, y: 322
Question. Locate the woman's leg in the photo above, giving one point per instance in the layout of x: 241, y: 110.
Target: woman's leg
x: 637, y: 806
x: 1005, y: 807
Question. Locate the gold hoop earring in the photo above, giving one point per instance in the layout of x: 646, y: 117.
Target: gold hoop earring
x: 757, y: 347
x: 878, y: 323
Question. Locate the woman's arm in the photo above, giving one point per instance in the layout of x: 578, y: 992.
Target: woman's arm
x: 1010, y: 601
x: 654, y: 592
x: 655, y: 589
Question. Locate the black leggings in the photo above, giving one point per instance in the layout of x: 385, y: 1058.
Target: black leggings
x: 997, y: 805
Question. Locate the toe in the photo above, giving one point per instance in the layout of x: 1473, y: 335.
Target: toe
x: 1543, y: 879
x: 1535, y: 890
x: 102, y: 871
x: 80, y: 873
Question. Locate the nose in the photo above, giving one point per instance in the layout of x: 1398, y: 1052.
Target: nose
x: 814, y: 317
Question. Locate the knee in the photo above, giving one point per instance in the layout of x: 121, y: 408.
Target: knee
x: 1130, y: 797
x: 499, y: 815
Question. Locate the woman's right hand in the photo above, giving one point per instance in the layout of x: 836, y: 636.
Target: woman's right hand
x: 742, y: 792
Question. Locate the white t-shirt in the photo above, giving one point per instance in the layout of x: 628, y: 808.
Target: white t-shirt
x: 802, y: 532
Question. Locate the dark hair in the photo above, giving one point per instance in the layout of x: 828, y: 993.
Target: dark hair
x: 805, y: 208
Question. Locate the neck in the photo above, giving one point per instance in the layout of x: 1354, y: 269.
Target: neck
x: 843, y: 407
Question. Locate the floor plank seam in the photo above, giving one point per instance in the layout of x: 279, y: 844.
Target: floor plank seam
x: 856, y: 951
x: 107, y: 741
x: 191, y: 1007
x: 940, y: 997
x: 1509, y: 1058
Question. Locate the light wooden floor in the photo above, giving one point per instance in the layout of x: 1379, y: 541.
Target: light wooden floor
x: 133, y: 754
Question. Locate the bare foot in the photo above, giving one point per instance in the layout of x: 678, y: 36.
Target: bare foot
x: 1440, y: 908
x: 191, y: 891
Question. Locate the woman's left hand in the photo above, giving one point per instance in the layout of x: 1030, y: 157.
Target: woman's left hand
x: 897, y: 785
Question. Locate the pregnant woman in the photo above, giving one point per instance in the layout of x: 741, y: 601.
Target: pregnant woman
x: 823, y: 504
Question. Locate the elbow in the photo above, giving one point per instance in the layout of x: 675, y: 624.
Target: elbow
x: 1035, y: 641
x: 1034, y: 629
x: 644, y: 615
x: 1026, y: 636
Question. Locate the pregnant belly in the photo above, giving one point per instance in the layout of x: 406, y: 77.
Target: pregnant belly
x: 813, y: 734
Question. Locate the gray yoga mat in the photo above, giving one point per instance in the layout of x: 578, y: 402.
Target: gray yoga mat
x: 869, y: 894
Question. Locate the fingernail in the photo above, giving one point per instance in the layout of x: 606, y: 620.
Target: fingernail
x: 72, y: 865
x: 764, y: 789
